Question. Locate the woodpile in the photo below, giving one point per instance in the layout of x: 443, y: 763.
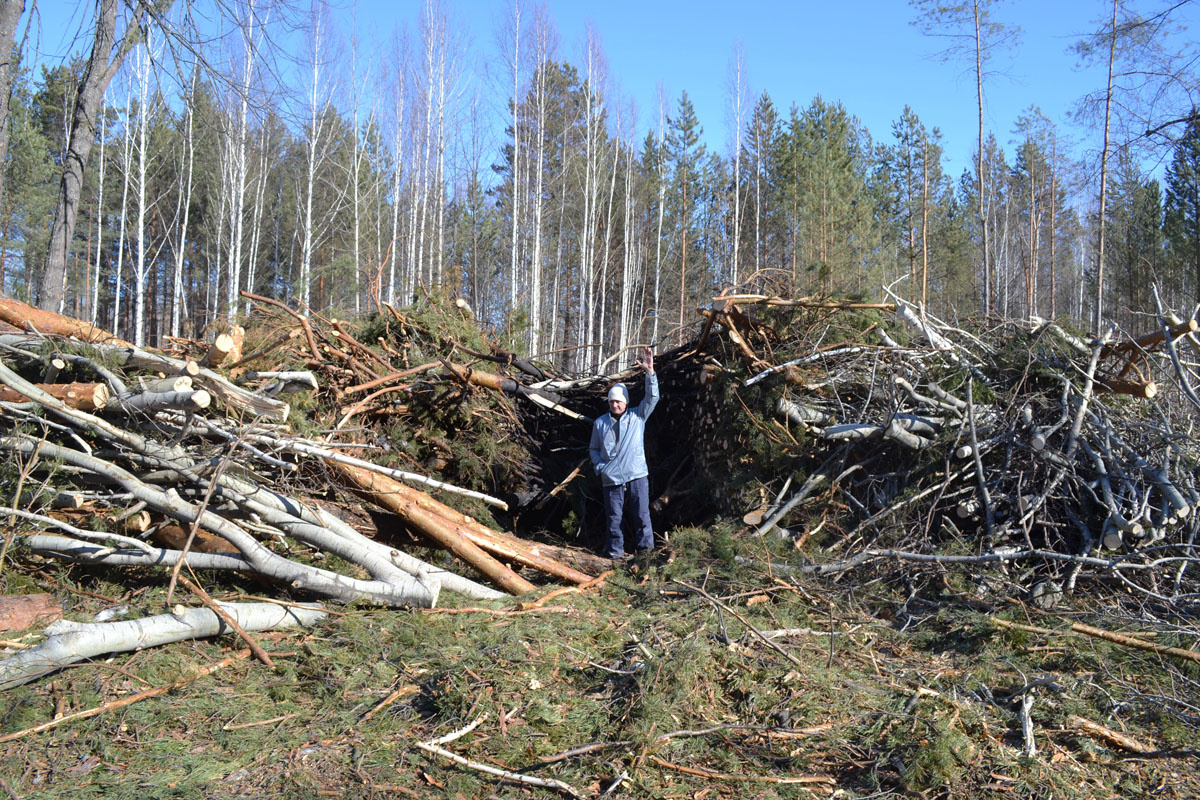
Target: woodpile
x: 868, y: 428
x: 187, y: 456
x: 908, y: 437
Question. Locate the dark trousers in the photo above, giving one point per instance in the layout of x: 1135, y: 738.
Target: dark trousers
x: 630, y: 500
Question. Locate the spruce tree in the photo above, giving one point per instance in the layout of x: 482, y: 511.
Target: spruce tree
x: 1182, y: 204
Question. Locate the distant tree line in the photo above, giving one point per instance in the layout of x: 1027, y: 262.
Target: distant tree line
x: 576, y: 230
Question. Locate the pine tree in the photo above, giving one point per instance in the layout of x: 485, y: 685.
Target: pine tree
x: 687, y: 155
x: 761, y: 158
x: 1183, y: 210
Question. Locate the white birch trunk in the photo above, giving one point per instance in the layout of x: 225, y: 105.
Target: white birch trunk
x: 535, y: 264
x: 397, y: 181
x: 127, y: 165
x: 99, y: 221
x: 141, y: 266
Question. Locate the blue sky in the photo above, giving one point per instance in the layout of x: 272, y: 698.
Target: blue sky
x: 865, y: 54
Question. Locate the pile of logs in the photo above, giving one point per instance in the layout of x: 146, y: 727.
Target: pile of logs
x: 125, y: 456
x: 1026, y: 442
x: 889, y: 430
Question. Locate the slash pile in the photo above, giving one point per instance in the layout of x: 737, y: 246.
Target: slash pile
x: 867, y: 432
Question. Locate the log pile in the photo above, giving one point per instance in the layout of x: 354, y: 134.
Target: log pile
x: 868, y: 428
x: 189, y: 457
x: 1075, y: 455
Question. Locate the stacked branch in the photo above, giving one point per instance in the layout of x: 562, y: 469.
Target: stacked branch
x: 1021, y: 442
x: 201, y: 454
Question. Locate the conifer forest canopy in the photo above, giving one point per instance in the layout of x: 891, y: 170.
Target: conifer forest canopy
x: 186, y: 152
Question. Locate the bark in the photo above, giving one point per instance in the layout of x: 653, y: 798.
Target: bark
x: 72, y: 642
x: 235, y: 396
x: 153, y: 402
x: 83, y: 396
x: 20, y: 611
x: 1098, y: 316
x: 262, y: 560
x: 219, y: 351
x: 389, y: 494
x: 10, y: 15
x: 47, y: 322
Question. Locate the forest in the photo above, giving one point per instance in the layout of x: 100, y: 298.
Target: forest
x: 161, y: 169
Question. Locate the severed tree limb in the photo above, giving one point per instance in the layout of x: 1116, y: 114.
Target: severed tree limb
x: 377, y: 559
x: 724, y: 607
x: 83, y: 396
x: 266, y: 562
x: 308, y: 333
x: 383, y: 491
x: 153, y: 402
x: 100, y: 536
x: 131, y: 699
x: 393, y: 378
x: 1108, y: 636
x: 67, y: 549
x: 403, y: 691
x: 507, y: 547
x: 435, y: 746
x: 817, y: 356
x: 41, y: 321
x: 1109, y: 736
x: 508, y: 386
x: 217, y: 385
x: 414, y: 566
x: 330, y: 455
x: 229, y: 620
x: 1180, y: 373
x: 71, y: 642
x: 801, y: 302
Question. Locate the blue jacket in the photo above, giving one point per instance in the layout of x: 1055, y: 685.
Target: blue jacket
x: 619, y: 456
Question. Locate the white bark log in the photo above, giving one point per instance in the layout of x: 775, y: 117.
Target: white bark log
x: 262, y: 560
x: 71, y: 642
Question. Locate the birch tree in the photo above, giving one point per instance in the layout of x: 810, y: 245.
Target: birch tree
x: 399, y: 85
x: 316, y: 136
x: 739, y: 100
x: 108, y: 51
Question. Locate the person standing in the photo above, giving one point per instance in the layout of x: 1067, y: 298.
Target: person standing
x: 619, y: 457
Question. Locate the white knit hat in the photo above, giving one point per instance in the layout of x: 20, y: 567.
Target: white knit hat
x: 619, y: 392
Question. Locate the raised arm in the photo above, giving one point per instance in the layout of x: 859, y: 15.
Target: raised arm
x: 646, y: 362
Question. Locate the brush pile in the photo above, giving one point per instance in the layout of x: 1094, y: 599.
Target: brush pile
x: 128, y: 457
x: 911, y: 441
x: 867, y: 432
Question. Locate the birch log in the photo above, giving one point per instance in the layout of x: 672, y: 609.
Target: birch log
x: 260, y: 559
x: 71, y: 642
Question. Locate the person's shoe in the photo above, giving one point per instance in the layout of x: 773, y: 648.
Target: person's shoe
x: 621, y: 558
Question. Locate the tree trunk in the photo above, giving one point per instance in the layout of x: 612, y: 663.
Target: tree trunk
x: 1112, y: 52
x: 10, y: 15
x: 983, y: 221
x: 101, y: 66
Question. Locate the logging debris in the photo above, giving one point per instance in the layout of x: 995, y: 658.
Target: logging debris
x: 905, y: 439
